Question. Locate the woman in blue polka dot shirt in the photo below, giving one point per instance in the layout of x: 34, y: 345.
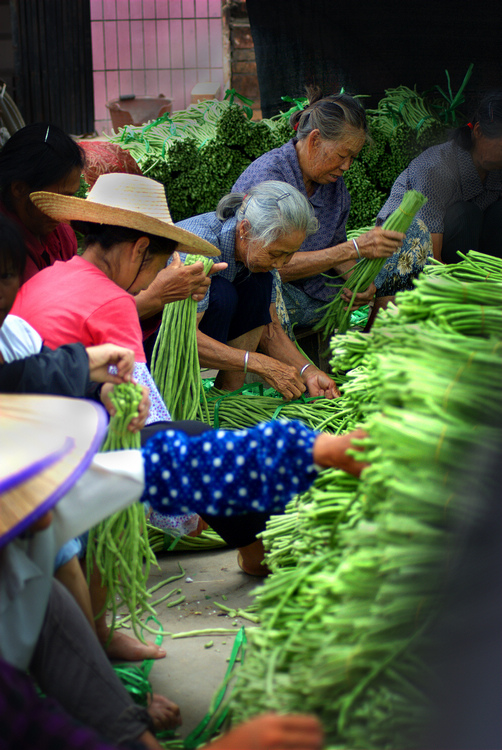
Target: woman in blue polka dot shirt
x: 236, y: 480
x: 221, y: 472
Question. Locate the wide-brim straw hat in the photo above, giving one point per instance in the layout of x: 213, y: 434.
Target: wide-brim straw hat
x: 125, y: 200
x: 47, y: 443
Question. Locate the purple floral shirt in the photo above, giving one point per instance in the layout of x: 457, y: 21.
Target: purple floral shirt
x: 331, y: 204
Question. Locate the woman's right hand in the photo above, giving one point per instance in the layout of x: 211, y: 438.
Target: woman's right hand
x: 379, y: 243
x: 137, y: 423
x: 284, y: 378
x: 273, y: 732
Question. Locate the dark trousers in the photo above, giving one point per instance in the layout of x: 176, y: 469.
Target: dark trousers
x: 239, y: 306
x: 237, y: 531
x: 235, y: 307
x: 71, y: 666
x: 466, y: 227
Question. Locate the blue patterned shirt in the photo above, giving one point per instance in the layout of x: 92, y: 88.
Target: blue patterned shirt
x: 445, y: 174
x: 331, y: 204
x: 228, y: 473
x: 221, y: 233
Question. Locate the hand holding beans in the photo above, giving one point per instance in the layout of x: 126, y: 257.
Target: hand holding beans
x: 179, y: 281
x: 101, y: 357
x: 137, y: 423
x: 379, y: 243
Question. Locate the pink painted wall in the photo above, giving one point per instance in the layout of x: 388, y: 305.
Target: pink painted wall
x: 152, y: 47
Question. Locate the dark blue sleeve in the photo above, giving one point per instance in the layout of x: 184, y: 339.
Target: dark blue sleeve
x: 229, y: 473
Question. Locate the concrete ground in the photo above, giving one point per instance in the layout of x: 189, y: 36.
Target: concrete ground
x: 191, y: 673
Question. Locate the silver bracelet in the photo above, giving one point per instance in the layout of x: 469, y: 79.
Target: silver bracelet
x: 246, y: 358
x: 357, y: 248
x: 305, y: 367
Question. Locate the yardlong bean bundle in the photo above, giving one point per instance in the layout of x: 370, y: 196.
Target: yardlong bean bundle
x: 366, y: 271
x: 119, y: 546
x: 175, y: 358
x: 356, y: 564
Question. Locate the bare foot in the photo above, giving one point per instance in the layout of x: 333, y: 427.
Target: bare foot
x: 252, y: 569
x: 164, y: 713
x: 125, y: 648
x: 250, y: 559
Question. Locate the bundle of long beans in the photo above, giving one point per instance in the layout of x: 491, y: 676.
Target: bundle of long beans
x: 403, y: 104
x: 337, y: 312
x: 175, y: 358
x: 119, y: 546
x: 356, y: 564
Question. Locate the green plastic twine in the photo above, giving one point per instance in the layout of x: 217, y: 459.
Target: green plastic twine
x: 245, y: 388
x: 204, y: 731
x: 135, y: 679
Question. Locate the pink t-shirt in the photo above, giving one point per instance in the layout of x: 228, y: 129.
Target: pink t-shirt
x: 73, y: 301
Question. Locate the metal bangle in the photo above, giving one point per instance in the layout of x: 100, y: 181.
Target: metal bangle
x: 357, y: 248
x: 246, y: 358
x: 309, y: 364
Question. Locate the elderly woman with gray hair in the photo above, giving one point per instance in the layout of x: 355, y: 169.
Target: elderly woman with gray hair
x: 258, y: 233
x: 330, y: 133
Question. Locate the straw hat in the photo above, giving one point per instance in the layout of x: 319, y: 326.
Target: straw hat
x: 47, y: 443
x: 126, y: 200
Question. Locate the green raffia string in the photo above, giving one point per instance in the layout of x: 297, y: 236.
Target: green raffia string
x: 119, y: 546
x: 218, y: 710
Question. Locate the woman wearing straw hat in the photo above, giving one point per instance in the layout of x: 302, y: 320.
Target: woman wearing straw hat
x: 129, y: 237
x: 57, y: 469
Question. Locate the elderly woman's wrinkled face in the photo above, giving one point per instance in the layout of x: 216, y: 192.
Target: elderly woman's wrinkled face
x: 328, y: 160
x: 259, y: 257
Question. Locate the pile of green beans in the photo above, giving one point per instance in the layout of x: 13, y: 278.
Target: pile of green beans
x: 119, y: 546
x: 356, y: 564
x: 160, y: 541
x: 175, y: 358
x: 366, y: 270
x: 198, y: 123
x: 236, y: 410
x: 474, y: 266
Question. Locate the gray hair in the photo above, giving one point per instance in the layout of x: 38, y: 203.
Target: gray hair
x: 332, y: 116
x: 273, y: 209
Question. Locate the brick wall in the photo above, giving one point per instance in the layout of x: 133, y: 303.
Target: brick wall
x: 242, y: 58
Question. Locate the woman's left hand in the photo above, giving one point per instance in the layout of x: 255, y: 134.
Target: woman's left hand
x: 104, y: 355
x: 331, y: 451
x: 361, y: 298
x: 320, y: 384
x: 138, y: 422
